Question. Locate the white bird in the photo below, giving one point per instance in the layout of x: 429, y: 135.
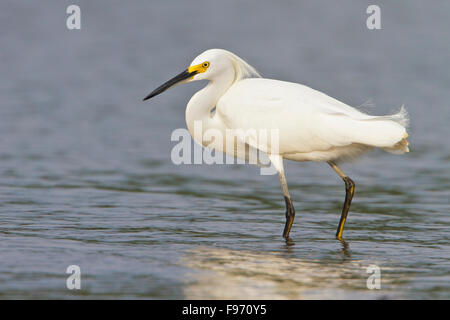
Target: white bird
x: 311, y: 125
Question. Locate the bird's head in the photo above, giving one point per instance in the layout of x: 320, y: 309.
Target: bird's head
x: 209, y: 65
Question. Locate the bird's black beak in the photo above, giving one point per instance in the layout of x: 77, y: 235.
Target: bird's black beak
x: 177, y: 79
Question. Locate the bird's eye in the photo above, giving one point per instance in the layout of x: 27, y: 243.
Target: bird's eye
x: 205, y: 64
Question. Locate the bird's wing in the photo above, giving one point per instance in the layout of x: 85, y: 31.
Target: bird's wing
x: 307, y: 120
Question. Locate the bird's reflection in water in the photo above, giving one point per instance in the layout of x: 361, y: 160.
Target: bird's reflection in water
x: 219, y: 273
x: 289, y: 251
x: 345, y: 251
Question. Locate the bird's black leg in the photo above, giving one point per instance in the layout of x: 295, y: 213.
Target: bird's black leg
x: 349, y: 191
x: 277, y: 162
x: 290, y: 214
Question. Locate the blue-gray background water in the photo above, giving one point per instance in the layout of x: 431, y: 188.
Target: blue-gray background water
x: 86, y: 177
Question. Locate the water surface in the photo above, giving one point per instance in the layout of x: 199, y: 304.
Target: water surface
x: 86, y: 176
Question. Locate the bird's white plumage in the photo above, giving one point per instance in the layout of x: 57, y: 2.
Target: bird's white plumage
x: 308, y: 120
x: 312, y: 125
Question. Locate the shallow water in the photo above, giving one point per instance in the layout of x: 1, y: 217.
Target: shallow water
x: 86, y: 177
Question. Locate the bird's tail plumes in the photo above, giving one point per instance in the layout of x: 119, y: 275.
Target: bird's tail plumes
x: 392, y: 129
x: 401, y: 118
x: 385, y: 132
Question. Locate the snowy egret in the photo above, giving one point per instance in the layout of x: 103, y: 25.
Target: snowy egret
x: 312, y: 126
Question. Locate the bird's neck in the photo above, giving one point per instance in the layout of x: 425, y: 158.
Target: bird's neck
x: 199, y: 108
